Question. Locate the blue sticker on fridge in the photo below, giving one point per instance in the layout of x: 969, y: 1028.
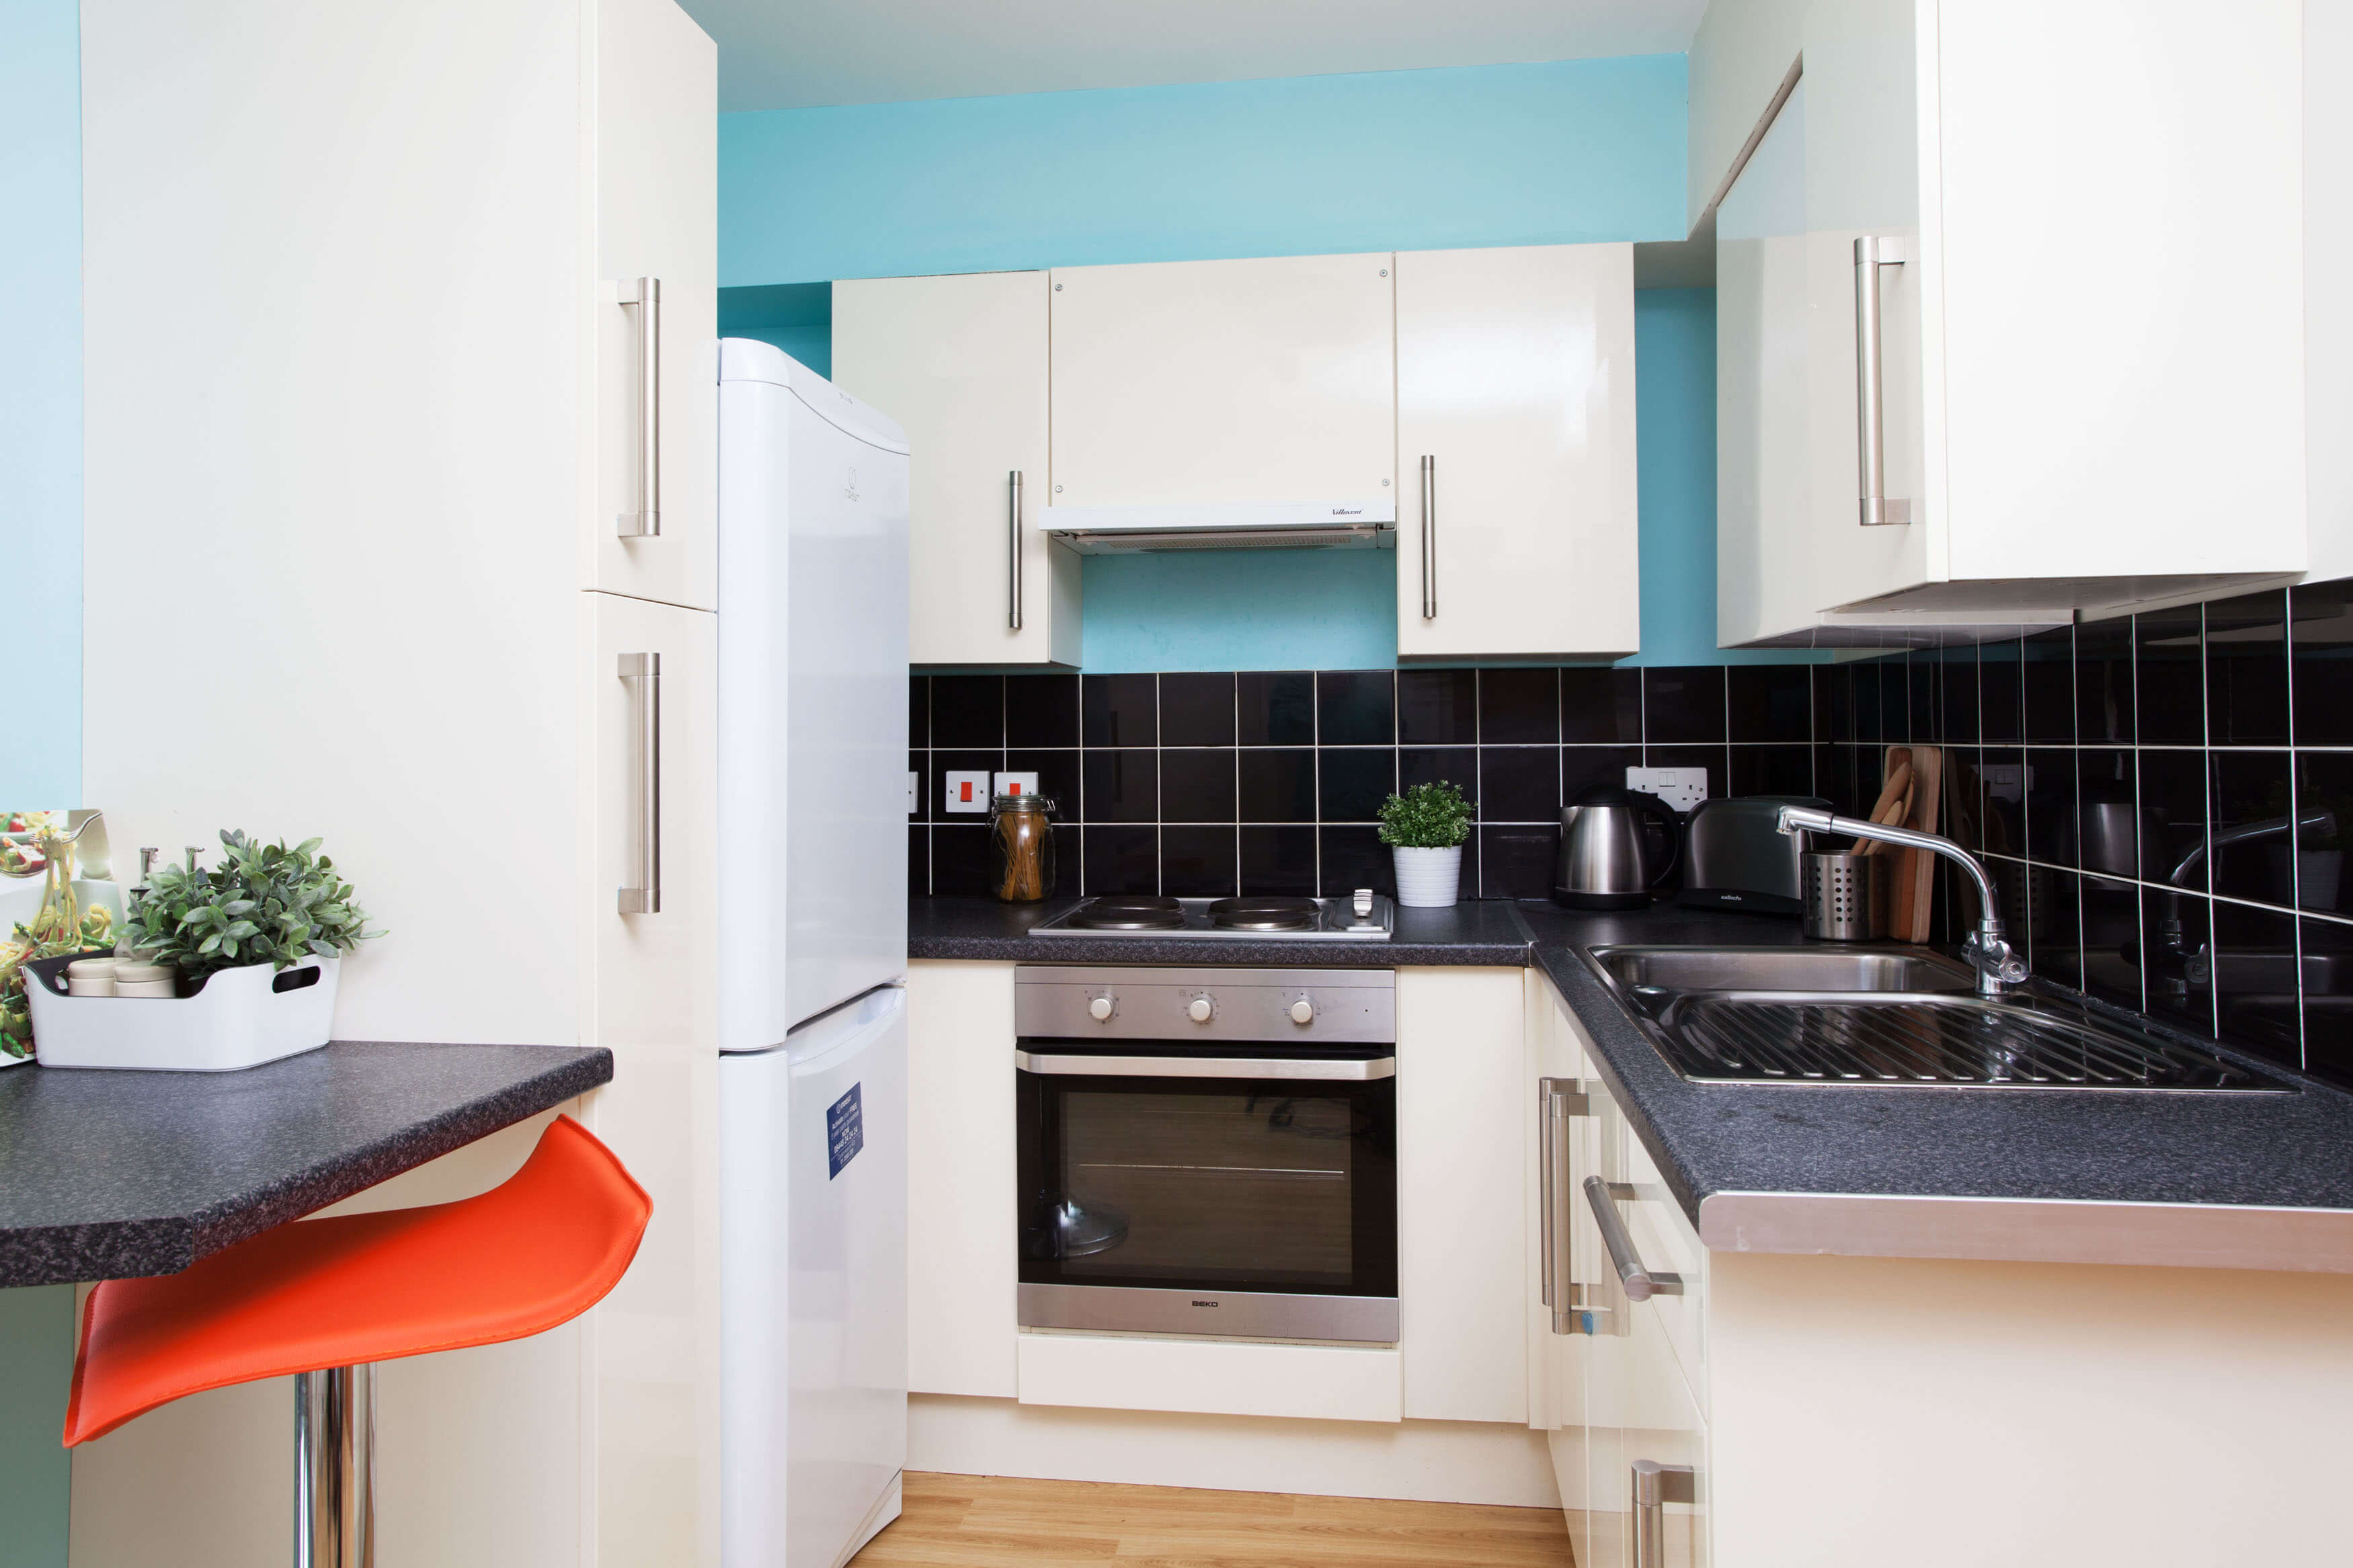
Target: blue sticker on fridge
x: 845, y: 1131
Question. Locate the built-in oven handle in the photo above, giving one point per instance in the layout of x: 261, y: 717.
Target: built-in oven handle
x: 1204, y: 1066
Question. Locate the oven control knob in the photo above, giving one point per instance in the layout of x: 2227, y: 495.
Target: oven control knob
x: 1098, y: 1009
x: 1302, y: 1011
x: 1200, y: 1009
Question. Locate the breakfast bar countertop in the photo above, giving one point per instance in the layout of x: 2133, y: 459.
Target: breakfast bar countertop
x: 111, y: 1175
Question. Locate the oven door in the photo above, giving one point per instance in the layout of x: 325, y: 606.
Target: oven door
x: 1225, y: 1190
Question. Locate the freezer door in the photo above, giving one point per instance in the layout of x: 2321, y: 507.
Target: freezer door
x: 812, y: 691
x: 813, y: 1214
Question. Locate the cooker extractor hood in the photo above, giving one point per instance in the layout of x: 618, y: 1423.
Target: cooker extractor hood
x: 1223, y: 525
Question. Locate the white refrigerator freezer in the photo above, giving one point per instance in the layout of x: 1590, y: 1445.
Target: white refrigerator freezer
x: 813, y: 960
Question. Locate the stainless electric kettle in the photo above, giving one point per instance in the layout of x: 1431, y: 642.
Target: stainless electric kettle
x: 1603, y: 864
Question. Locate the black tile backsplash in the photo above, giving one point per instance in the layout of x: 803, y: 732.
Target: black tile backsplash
x: 1438, y: 707
x: 1355, y: 708
x: 1269, y: 782
x: 1683, y: 704
x: 2131, y: 782
x: 1197, y: 709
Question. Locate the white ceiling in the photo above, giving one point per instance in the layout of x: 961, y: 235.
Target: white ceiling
x: 793, y: 54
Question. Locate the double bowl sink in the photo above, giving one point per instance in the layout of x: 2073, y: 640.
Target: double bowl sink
x: 1893, y: 1018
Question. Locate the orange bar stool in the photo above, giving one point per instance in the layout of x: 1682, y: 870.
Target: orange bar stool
x: 343, y: 1293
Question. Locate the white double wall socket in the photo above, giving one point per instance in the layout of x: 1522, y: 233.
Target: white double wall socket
x: 1682, y: 788
x: 967, y: 791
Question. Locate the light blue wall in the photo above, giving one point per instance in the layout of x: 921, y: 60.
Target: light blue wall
x: 1533, y: 155
x: 40, y: 635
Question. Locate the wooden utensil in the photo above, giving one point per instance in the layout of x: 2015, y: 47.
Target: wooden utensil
x: 1914, y: 875
x: 1891, y: 798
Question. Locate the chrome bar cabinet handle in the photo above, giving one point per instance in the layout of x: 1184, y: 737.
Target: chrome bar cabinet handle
x: 1312, y: 1070
x: 1559, y: 1099
x: 1873, y: 252
x: 642, y: 895
x: 645, y: 294
x: 1655, y: 1486
x: 1013, y: 543
x: 1641, y: 1283
x: 1428, y: 538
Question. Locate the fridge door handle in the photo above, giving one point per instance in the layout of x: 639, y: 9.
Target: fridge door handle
x: 645, y: 522
x: 641, y: 673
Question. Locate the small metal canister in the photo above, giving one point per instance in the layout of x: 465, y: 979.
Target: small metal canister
x: 1846, y: 897
x: 1021, y: 849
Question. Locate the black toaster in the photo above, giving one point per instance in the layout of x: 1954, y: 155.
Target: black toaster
x: 1735, y: 858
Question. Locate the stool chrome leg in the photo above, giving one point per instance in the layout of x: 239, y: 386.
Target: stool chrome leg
x: 335, y: 1467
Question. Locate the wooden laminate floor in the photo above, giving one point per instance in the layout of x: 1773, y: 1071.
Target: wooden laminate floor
x: 992, y: 1522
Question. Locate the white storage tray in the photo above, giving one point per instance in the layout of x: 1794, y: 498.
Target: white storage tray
x: 234, y: 1018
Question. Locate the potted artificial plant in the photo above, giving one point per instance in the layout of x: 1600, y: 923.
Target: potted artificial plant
x: 254, y: 942
x: 1426, y: 827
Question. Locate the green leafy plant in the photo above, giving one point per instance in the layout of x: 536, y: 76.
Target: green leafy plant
x: 1426, y: 817
x: 263, y: 903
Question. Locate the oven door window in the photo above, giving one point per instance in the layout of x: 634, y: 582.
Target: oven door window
x: 1209, y: 1184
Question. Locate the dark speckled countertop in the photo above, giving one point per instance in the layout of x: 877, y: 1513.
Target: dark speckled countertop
x: 109, y: 1176
x: 2217, y: 1180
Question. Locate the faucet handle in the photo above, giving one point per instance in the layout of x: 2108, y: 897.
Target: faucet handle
x: 1993, y: 957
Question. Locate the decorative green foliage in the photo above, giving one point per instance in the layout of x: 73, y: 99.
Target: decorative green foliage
x: 264, y: 903
x: 1426, y: 816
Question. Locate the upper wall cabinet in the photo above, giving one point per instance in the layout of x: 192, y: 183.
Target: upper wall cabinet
x: 1515, y: 438
x: 2003, y: 331
x: 655, y: 148
x: 1219, y: 381
x: 960, y: 362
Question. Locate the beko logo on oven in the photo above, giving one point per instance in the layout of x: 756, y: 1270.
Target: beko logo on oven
x: 1205, y: 1304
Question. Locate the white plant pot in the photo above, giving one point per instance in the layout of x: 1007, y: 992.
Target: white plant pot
x: 236, y: 1018
x: 1428, y: 878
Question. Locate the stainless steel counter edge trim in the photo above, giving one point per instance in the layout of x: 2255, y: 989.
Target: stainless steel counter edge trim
x: 2031, y: 1230
x: 1231, y: 1314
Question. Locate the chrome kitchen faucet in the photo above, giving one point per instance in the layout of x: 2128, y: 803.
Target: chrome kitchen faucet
x: 1988, y: 951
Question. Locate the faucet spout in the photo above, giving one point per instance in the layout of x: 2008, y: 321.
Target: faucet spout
x: 1997, y: 964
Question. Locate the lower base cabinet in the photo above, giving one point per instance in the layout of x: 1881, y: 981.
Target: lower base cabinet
x: 1860, y: 1412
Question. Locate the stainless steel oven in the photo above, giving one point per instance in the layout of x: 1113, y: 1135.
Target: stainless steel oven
x: 1209, y: 1151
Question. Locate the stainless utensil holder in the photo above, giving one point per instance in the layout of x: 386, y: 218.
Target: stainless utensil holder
x: 1846, y: 897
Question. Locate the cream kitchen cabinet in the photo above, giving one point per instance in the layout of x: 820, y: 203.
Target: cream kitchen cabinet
x: 2079, y: 391
x: 653, y: 161
x: 963, y: 1274
x: 391, y: 503
x: 960, y: 361
x: 1516, y: 531
x: 1612, y: 1378
x: 1199, y: 384
x: 1825, y: 1399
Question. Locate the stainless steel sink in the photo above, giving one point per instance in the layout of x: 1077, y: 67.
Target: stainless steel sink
x: 1839, y: 968
x: 1893, y: 1017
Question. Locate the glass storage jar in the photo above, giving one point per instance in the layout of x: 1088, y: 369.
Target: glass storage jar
x: 1021, y: 849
